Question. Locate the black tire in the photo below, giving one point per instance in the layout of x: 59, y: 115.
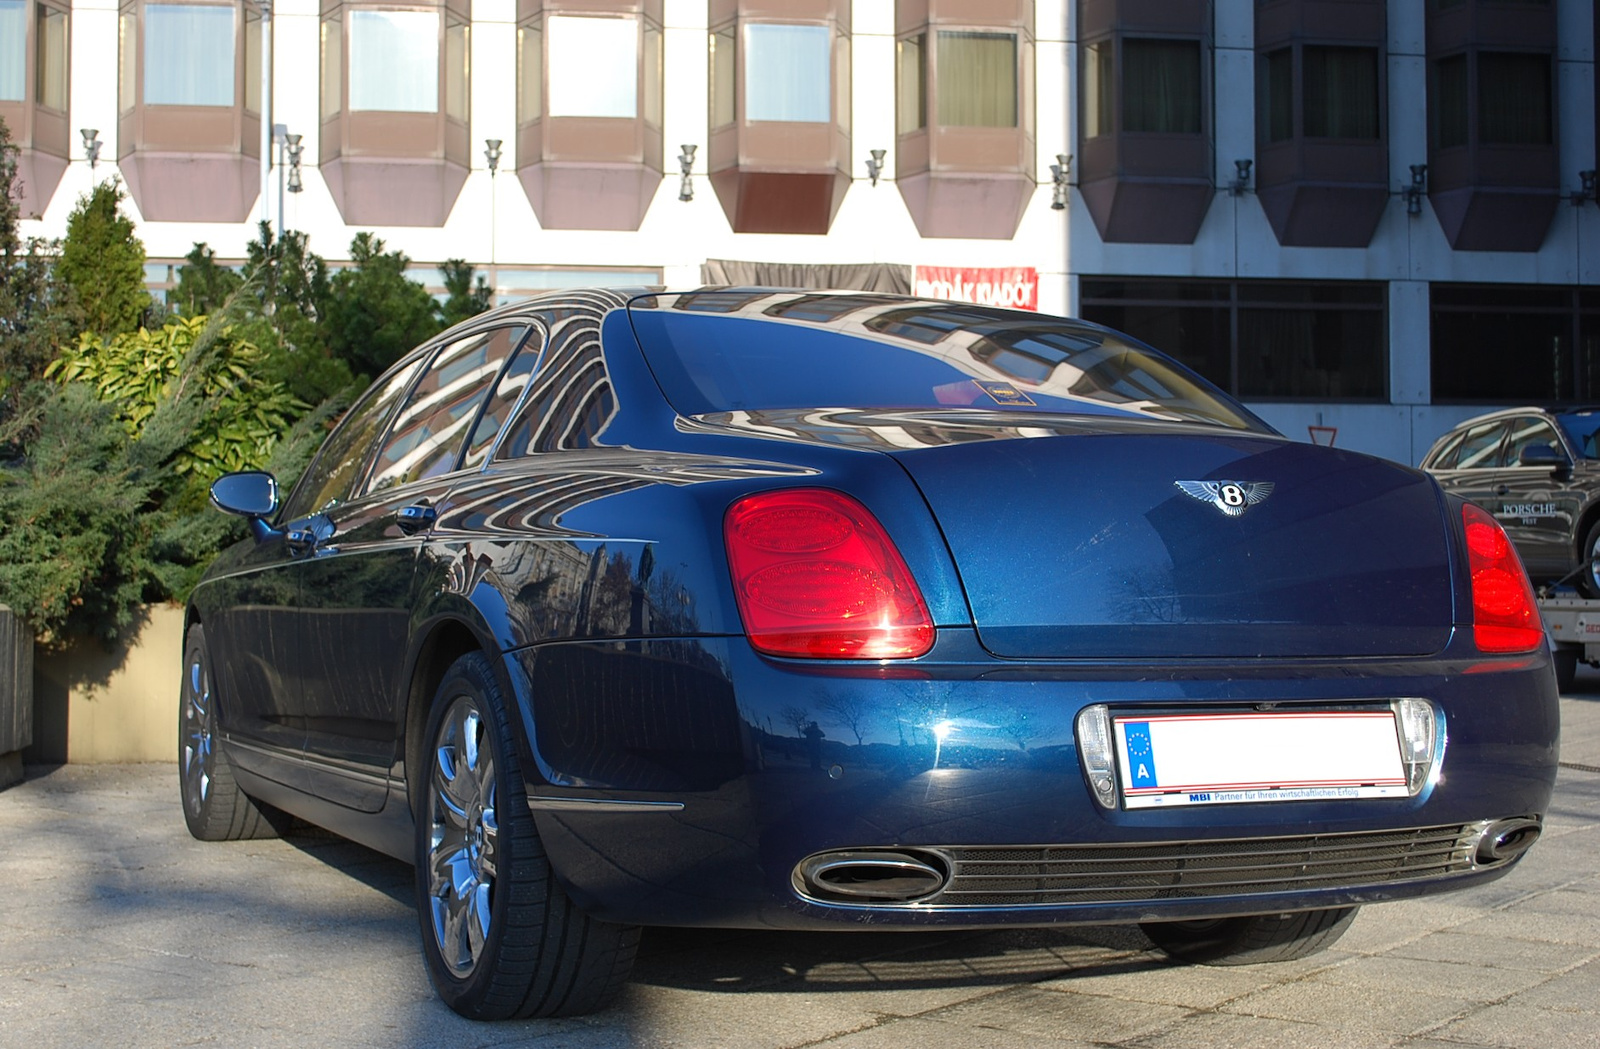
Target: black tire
x: 1588, y: 578
x: 213, y: 805
x: 500, y: 937
x: 1253, y: 939
x: 1566, y: 661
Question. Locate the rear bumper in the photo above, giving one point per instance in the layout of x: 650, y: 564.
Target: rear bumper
x: 738, y: 768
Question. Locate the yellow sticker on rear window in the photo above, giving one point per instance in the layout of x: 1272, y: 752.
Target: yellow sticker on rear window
x: 1003, y: 392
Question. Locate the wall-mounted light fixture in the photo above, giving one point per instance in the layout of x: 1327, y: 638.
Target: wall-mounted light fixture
x: 1586, y: 190
x: 296, y: 150
x: 1416, y: 189
x: 1060, y: 171
x: 91, y: 145
x: 875, y: 164
x: 492, y: 154
x: 1241, y: 179
x: 685, y: 167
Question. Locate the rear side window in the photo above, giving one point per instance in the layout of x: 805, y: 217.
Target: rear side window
x: 427, y: 437
x: 1527, y: 433
x: 571, y: 401
x: 333, y: 474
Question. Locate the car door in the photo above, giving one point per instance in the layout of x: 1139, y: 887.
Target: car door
x: 1537, y: 506
x: 359, y: 582
x: 260, y: 675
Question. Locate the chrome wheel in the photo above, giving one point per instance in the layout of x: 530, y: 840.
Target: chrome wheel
x: 198, y: 725
x: 463, y: 839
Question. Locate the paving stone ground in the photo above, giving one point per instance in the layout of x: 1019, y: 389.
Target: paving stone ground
x: 120, y: 930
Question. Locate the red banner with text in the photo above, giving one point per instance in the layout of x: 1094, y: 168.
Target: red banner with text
x: 1013, y: 286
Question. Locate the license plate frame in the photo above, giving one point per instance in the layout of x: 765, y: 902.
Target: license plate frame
x: 1167, y: 760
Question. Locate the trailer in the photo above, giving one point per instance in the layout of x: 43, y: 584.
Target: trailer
x: 1572, y: 623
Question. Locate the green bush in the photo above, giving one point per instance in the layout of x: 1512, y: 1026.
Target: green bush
x: 244, y: 414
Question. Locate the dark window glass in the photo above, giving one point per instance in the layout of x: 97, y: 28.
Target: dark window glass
x: 1000, y: 364
x: 338, y: 465
x: 1583, y: 430
x: 1323, y: 340
x: 1275, y: 95
x: 571, y: 400
x: 1197, y: 336
x: 1529, y: 433
x: 1495, y: 351
x: 1325, y: 354
x: 1514, y: 99
x: 719, y: 301
x: 1341, y: 92
x: 513, y: 380
x: 1161, y: 87
x: 1480, y: 449
x: 1450, y: 101
x: 428, y: 434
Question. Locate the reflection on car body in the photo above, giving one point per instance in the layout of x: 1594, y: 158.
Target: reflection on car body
x: 769, y: 609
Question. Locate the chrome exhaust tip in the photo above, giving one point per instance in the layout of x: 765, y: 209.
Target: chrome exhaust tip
x: 1502, y: 841
x: 870, y: 876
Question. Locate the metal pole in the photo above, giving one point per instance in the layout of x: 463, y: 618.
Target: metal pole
x: 266, y: 111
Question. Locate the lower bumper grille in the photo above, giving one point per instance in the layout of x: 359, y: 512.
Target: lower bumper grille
x: 1088, y: 874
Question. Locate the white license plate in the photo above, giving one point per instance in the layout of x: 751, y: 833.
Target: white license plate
x: 1211, y: 759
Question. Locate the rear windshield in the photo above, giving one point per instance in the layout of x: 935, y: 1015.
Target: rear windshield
x: 921, y: 356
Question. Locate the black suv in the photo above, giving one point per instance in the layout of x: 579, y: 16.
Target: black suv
x: 1538, y: 471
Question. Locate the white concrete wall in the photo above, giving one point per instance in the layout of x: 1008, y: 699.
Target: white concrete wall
x: 493, y: 222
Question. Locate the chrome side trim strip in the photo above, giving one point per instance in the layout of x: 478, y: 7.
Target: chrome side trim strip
x: 543, y: 803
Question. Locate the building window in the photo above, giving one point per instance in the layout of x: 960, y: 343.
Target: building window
x: 1099, y: 90
x: 1275, y: 95
x: 530, y: 72
x: 1260, y: 340
x: 1341, y: 92
x: 13, y: 50
x: 723, y: 87
x: 1514, y: 103
x: 787, y: 73
x: 1509, y: 343
x: 977, y: 75
x: 911, y: 72
x: 1161, y: 86
x: 594, y: 66
x: 394, y: 61
x: 188, y: 55
x: 1450, y: 102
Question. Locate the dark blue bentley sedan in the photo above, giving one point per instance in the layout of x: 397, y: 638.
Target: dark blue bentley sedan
x: 772, y: 609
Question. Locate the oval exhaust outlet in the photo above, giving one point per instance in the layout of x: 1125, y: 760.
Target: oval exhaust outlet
x: 1504, y: 840
x: 861, y: 877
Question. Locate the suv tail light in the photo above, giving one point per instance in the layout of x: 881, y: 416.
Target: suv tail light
x: 816, y: 576
x: 1504, y: 616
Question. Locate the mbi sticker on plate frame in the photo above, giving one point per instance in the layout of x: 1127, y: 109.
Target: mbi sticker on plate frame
x: 1211, y: 759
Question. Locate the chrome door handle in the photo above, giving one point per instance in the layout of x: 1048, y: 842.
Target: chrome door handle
x: 418, y: 517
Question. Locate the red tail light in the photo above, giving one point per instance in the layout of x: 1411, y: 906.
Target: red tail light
x: 1504, y: 616
x: 816, y: 576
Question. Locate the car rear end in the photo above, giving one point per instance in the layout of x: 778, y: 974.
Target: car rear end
x: 1030, y: 668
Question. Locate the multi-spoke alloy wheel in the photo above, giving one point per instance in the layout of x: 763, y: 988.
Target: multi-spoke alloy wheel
x: 463, y: 837
x: 194, y: 743
x: 213, y: 805
x: 500, y: 937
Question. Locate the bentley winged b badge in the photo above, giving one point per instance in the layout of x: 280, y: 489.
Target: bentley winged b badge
x: 1231, y: 497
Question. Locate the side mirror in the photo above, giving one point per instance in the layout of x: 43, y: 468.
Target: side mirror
x: 252, y: 494
x: 1543, y: 455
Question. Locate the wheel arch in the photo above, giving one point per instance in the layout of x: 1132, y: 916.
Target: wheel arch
x: 443, y: 642
x: 1587, y: 517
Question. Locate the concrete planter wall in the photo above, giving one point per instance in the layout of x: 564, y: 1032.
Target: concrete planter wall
x: 93, y: 705
x: 16, y: 694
